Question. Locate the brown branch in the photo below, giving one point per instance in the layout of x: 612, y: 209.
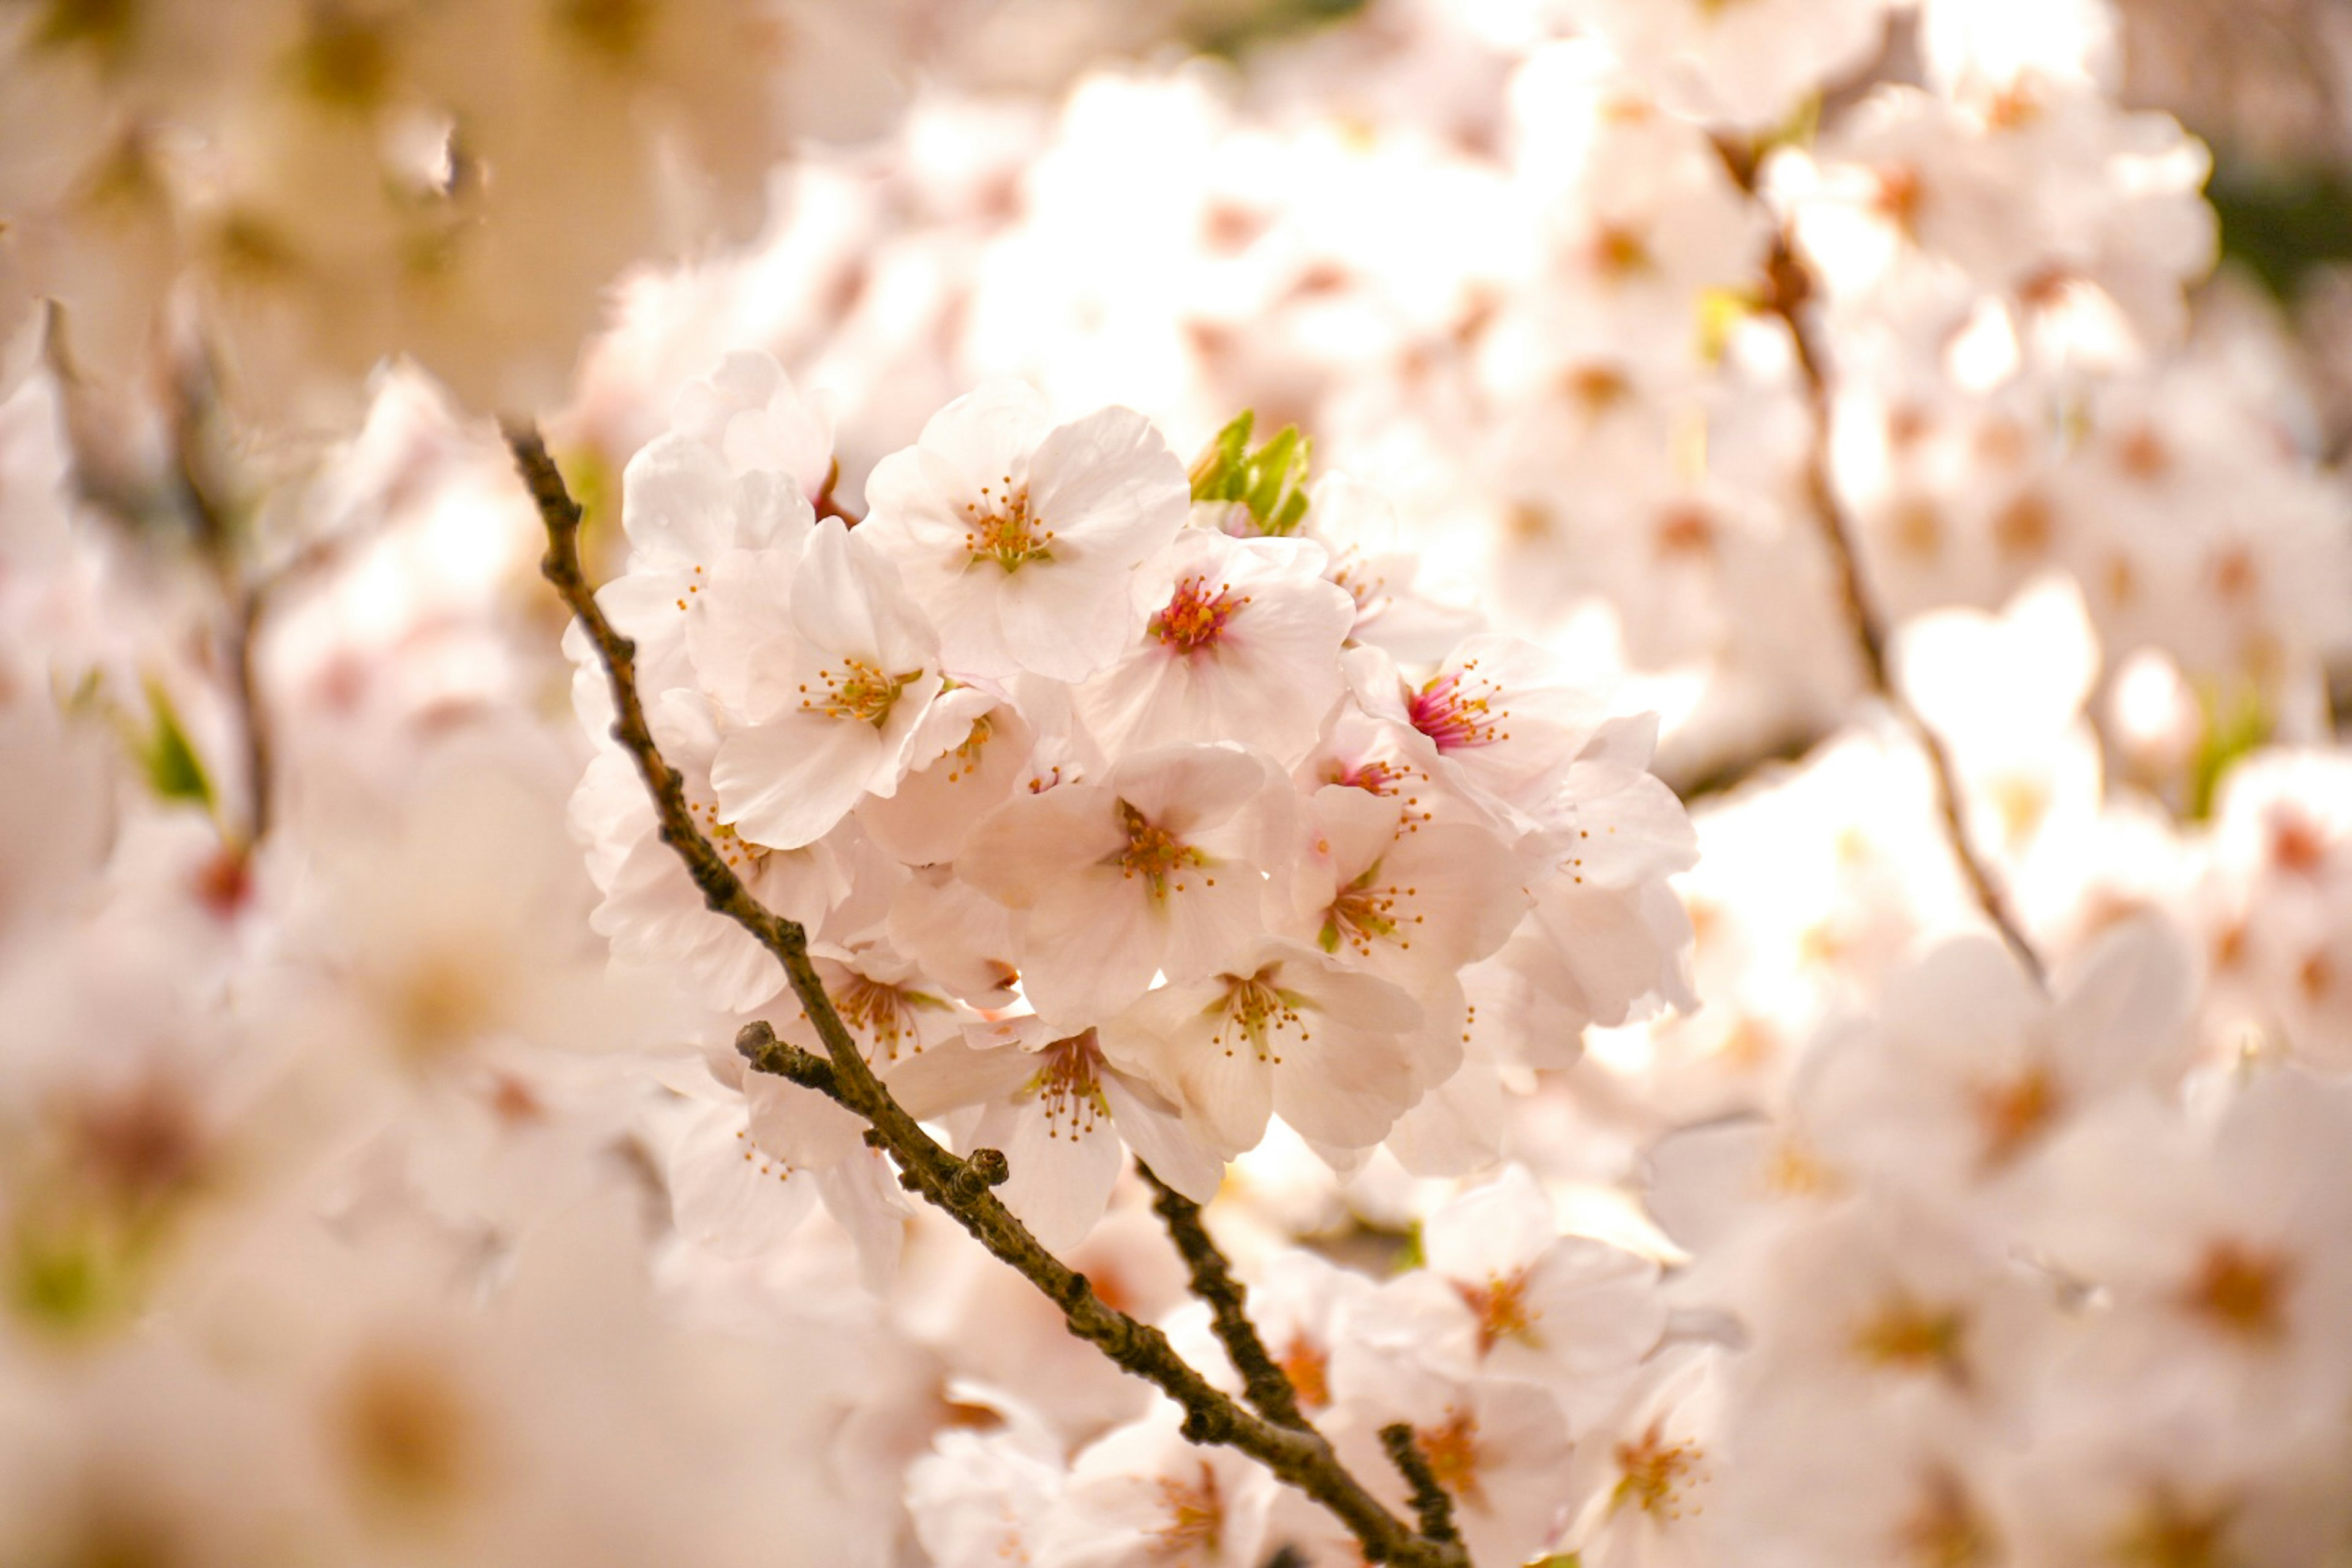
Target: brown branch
x: 1212, y: 1280
x: 962, y: 1188
x: 1430, y: 1503
x: 1788, y: 290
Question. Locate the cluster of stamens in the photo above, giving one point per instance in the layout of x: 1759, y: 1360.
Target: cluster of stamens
x: 968, y: 754
x: 756, y: 1157
x: 2014, y: 1112
x: 998, y: 527
x: 1916, y: 1337
x: 1361, y: 585
x: 1196, y: 1516
x: 1451, y: 1451
x: 1502, y: 1310
x: 1458, y: 711
x: 1195, y: 619
x: 1308, y: 1366
x: 1155, y: 854
x: 883, y: 1012
x: 739, y: 853
x: 1069, y: 1086
x: 2242, y: 1289
x: 1364, y: 912
x: 856, y: 690
x: 1382, y: 778
x: 1653, y: 1474
x: 1257, y: 1011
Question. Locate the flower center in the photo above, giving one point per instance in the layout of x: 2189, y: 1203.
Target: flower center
x: 1308, y: 1367
x: 1069, y: 1086
x: 884, y: 1014
x: 1652, y: 1474
x: 2242, y: 1289
x: 1946, y: 1532
x: 407, y: 1429
x: 966, y: 754
x: 1363, y: 913
x: 1375, y: 777
x: 1452, y: 1454
x: 1458, y: 710
x: 1153, y: 853
x: 1917, y: 1338
x: 1195, y: 619
x: 1256, y: 1009
x: 1501, y: 1305
x: 739, y: 853
x: 998, y: 527
x: 2015, y: 1112
x: 856, y: 690
x: 1196, y: 1515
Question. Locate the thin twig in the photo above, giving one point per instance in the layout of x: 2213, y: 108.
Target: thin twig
x: 1268, y: 1386
x: 1787, y: 291
x: 1430, y: 1503
x: 962, y: 1188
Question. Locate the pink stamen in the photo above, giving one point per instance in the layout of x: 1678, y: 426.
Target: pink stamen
x: 1457, y: 716
x: 1195, y: 619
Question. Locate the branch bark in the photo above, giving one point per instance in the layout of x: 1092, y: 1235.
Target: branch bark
x: 1268, y: 1386
x: 1788, y: 288
x: 960, y: 1188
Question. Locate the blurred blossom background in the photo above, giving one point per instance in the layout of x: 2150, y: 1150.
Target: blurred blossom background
x: 1932, y: 412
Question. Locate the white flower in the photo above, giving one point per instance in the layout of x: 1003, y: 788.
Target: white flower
x: 826, y: 670
x: 652, y: 910
x: 1023, y: 539
x: 1972, y: 1069
x: 1062, y: 1115
x: 1744, y: 65
x: 685, y: 510
x: 1244, y: 648
x: 1158, y: 867
x: 1338, y: 1055
x: 1410, y: 901
x: 1497, y: 721
x: 1143, y: 1494
x: 747, y: 412
x: 1546, y: 1308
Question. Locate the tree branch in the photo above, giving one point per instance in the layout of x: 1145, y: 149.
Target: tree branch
x: 962, y: 1188
x: 1788, y: 288
x: 1430, y: 1503
x: 1212, y: 1281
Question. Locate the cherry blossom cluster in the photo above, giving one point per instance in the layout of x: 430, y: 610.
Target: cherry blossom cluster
x: 1919, y: 1138
x: 1126, y: 809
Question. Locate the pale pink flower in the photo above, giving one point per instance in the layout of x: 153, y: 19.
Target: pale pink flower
x: 1159, y: 865
x: 652, y: 911
x: 826, y: 670
x: 1063, y: 1115
x: 1337, y: 1054
x: 1023, y: 539
x: 1245, y: 647
x: 1144, y: 1494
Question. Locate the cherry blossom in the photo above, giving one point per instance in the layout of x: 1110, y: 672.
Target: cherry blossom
x: 1022, y: 538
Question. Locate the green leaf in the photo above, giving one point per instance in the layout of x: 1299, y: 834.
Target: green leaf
x: 2235, y: 724
x: 173, y: 771
x: 1270, y: 482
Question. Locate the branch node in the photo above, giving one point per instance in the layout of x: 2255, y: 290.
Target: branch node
x: 985, y: 1168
